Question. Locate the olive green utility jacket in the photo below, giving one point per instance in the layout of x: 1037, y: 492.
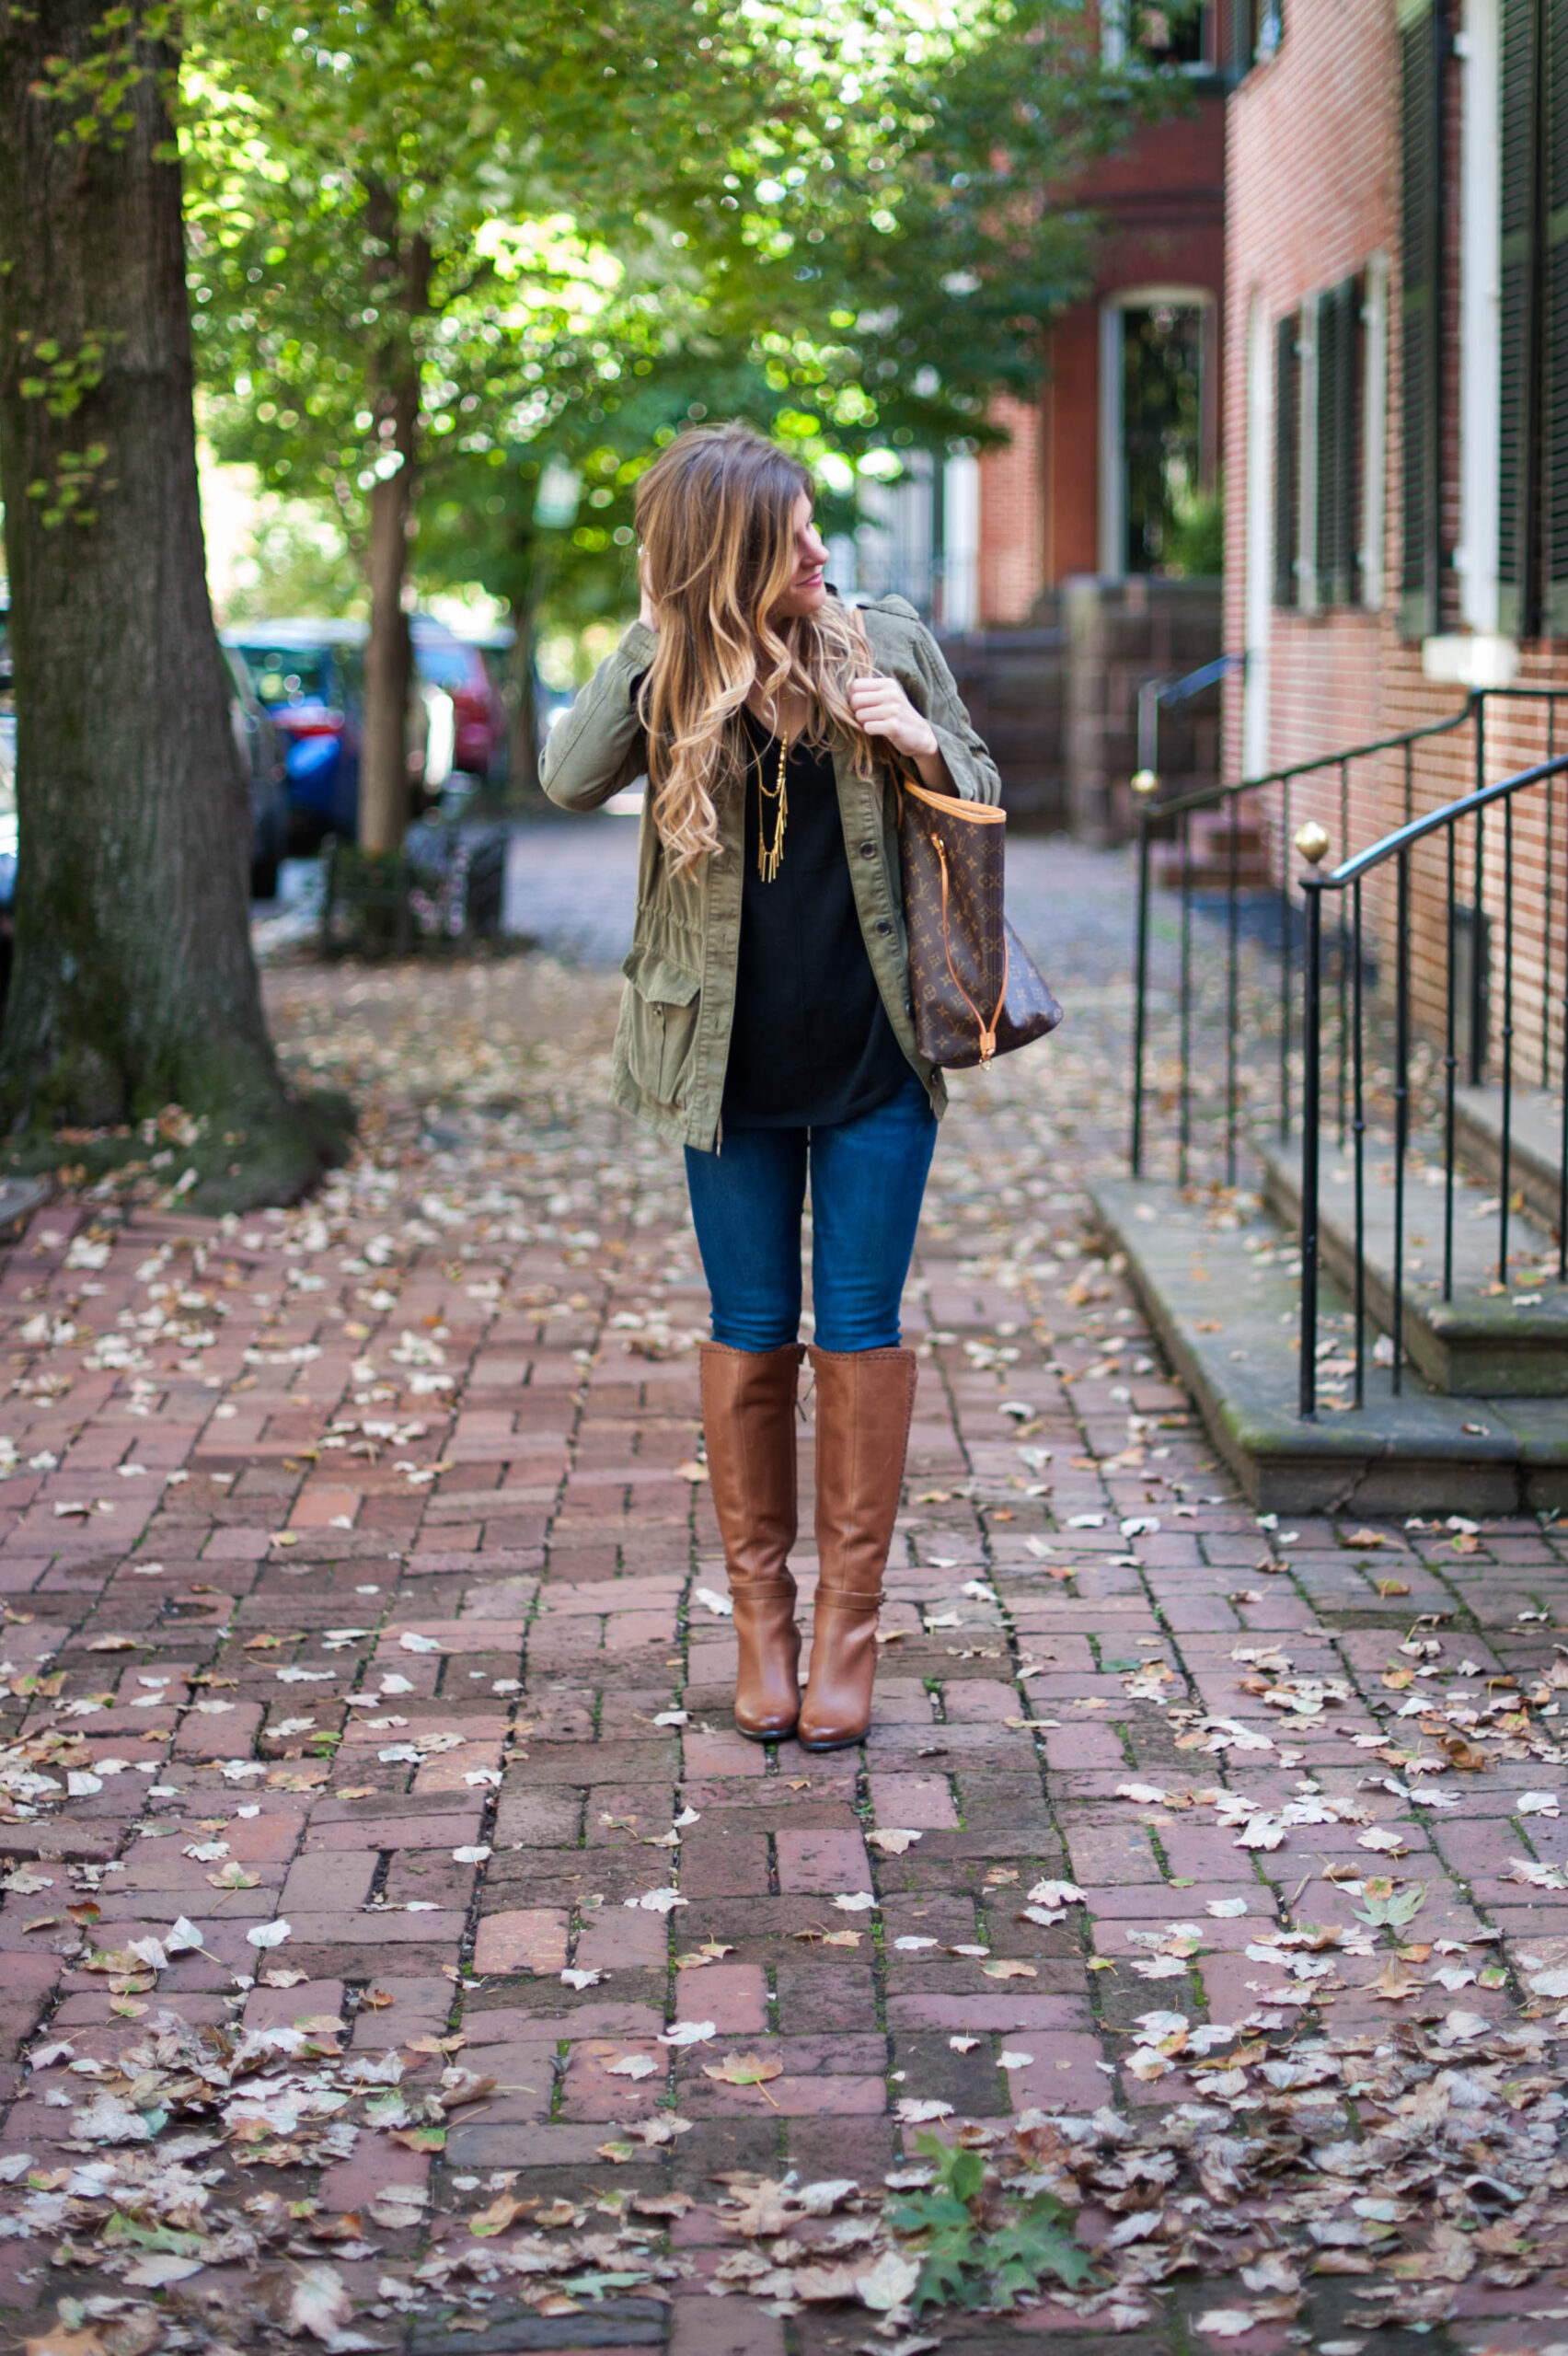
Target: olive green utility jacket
x: 672, y: 1039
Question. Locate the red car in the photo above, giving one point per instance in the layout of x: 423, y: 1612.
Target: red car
x: 480, y: 718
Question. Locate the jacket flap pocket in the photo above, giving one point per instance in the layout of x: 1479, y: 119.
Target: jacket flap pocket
x: 654, y: 977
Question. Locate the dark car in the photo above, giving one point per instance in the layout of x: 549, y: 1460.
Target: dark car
x: 306, y: 675
x: 266, y: 775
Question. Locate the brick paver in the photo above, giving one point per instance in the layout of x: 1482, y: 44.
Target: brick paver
x: 379, y: 1850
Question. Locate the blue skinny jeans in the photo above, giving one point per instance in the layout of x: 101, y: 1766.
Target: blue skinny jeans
x: 867, y: 1177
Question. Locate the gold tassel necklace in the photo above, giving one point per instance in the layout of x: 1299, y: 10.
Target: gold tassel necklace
x: 770, y: 858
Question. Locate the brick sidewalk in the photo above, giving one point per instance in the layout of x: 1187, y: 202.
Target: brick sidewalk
x: 362, y: 1588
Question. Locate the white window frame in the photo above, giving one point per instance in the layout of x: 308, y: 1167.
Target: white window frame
x: 1113, y: 502
x: 960, y: 494
x: 1481, y: 301
x: 1374, y: 432
x: 1113, y: 16
x: 1258, y: 553
x: 1308, y: 600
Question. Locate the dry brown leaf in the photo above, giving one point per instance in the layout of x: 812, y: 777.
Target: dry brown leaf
x: 745, y: 2069
x: 60, y: 2342
x: 504, y: 2211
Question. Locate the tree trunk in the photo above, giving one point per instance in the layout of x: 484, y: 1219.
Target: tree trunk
x: 133, y: 986
x: 523, y: 765
x: 388, y: 668
x: 529, y: 579
x: 399, y: 290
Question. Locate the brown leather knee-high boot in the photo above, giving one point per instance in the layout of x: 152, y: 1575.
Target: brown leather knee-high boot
x: 748, y: 1416
x: 865, y: 1400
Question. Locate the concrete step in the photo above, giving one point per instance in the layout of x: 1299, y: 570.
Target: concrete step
x: 1224, y: 1301
x: 1490, y: 1340
x: 1535, y: 1154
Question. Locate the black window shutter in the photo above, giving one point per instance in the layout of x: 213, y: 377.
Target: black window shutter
x: 1326, y: 589
x: 1287, y: 466
x: 1353, y: 433
x: 1554, y: 390
x: 1420, y: 254
x: 1519, y: 324
x: 1339, y: 441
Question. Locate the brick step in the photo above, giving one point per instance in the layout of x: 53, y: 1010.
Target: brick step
x: 1213, y: 875
x: 1224, y: 1301
x: 1209, y: 856
x: 1484, y: 1342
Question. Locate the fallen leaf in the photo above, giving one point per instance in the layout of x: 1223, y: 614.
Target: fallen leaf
x: 745, y: 2069
x: 504, y: 2211
x: 913, y: 2112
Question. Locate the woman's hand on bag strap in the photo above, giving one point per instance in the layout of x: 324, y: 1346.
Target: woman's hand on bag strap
x: 881, y: 708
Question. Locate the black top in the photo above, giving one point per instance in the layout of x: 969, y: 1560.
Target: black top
x: 812, y: 1044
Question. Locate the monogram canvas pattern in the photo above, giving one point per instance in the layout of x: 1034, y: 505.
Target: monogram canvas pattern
x: 975, y: 988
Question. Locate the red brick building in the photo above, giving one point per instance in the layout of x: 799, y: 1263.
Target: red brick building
x: 1127, y: 435
x: 1396, y: 408
x: 1129, y: 426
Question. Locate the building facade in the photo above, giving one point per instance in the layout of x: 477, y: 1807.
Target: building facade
x: 1123, y: 449
x: 1396, y: 426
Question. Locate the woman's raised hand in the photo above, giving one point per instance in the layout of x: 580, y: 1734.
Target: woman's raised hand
x: 881, y: 708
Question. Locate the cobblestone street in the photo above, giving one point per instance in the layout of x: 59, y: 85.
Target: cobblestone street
x: 368, y: 1665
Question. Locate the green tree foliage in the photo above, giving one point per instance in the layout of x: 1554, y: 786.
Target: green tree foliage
x: 441, y: 246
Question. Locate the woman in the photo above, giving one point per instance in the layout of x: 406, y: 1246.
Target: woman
x: 766, y: 1022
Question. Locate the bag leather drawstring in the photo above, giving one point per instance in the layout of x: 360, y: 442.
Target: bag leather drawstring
x: 987, y: 1030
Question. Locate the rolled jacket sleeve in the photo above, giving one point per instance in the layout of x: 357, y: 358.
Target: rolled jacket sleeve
x: 970, y: 765
x: 599, y: 747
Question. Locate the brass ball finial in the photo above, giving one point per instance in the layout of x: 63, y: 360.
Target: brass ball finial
x: 1145, y: 782
x: 1312, y: 841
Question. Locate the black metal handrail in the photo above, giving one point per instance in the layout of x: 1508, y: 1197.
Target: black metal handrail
x: 1227, y: 797
x: 1180, y: 808
x: 1346, y: 879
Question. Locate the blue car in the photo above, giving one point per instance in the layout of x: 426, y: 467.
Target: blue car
x: 307, y: 675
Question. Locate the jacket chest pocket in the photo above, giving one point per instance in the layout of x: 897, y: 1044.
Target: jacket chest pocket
x: 658, y: 1024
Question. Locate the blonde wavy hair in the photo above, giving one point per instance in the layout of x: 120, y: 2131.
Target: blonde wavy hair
x: 715, y: 514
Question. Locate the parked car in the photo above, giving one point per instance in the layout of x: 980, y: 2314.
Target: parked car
x: 307, y: 675
x: 458, y: 667
x: 261, y: 750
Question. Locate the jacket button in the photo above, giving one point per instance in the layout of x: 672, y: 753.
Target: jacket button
x: 868, y: 851
x: 882, y: 925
